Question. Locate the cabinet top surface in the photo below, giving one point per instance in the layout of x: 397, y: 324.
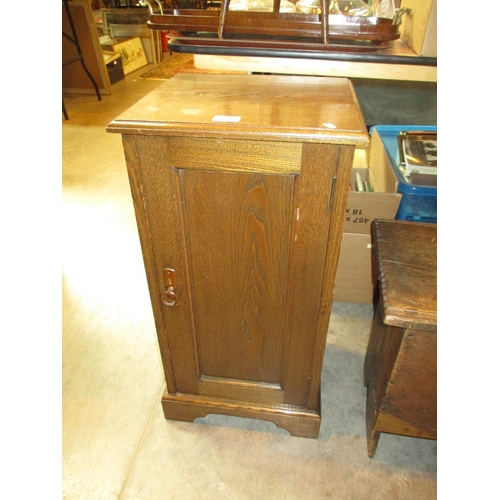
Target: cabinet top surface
x: 406, y: 257
x: 272, y: 107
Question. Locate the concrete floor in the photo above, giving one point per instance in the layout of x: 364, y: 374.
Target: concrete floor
x: 116, y: 442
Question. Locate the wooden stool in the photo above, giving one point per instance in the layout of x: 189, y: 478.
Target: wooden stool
x: 401, y: 357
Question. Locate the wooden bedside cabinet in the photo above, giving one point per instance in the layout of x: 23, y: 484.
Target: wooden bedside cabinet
x: 401, y: 357
x: 239, y: 185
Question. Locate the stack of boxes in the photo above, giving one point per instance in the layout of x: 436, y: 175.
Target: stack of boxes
x: 391, y: 198
x: 354, y: 272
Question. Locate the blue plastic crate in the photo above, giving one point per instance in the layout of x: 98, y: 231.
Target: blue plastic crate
x: 418, y: 203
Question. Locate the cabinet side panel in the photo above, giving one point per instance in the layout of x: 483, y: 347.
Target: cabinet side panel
x: 237, y: 233
x: 338, y: 202
x: 136, y: 188
x: 309, y: 240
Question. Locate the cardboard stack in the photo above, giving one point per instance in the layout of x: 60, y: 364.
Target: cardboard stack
x: 354, y: 273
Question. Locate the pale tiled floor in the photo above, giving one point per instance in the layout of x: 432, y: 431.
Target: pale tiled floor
x: 116, y: 442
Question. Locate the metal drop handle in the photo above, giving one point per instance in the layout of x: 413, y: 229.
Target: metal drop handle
x: 169, y: 298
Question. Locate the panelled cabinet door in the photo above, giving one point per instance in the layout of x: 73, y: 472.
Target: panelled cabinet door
x: 240, y: 241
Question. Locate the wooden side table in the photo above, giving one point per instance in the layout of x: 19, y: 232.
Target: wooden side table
x: 401, y: 357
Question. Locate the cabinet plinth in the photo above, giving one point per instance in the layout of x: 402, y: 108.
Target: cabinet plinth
x: 239, y: 184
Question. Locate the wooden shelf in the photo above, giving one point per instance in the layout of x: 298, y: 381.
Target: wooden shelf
x: 396, y: 63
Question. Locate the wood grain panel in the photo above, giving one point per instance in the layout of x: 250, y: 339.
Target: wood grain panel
x: 267, y: 108
x: 166, y: 231
x: 254, y: 392
x: 309, y: 236
x: 135, y: 180
x: 406, y: 256
x: 411, y: 395
x: 399, y: 426
x: 235, y: 225
x: 298, y: 421
x: 236, y: 155
x: 337, y: 204
x: 381, y: 355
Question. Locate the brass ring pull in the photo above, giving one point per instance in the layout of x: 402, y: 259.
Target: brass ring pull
x: 169, y: 297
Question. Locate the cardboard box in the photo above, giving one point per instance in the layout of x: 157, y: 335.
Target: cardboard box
x: 354, y: 273
x: 363, y: 207
x: 354, y: 281
x: 419, y: 28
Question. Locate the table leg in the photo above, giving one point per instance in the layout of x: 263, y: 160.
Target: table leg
x: 372, y: 436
